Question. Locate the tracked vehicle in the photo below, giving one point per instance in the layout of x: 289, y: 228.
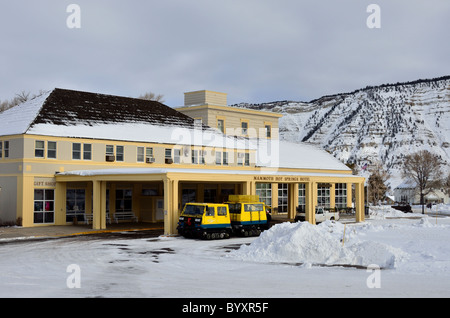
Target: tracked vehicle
x: 242, y: 215
x: 205, y: 220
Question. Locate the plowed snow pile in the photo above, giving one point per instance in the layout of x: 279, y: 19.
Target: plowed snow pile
x: 309, y: 244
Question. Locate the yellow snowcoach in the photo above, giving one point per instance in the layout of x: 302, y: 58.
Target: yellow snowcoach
x: 205, y: 220
x: 248, y: 215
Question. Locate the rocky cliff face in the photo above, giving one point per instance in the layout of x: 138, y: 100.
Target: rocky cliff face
x: 373, y: 125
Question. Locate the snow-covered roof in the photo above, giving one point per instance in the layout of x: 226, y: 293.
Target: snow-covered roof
x: 153, y: 171
x: 285, y: 154
x: 17, y: 120
x: 75, y: 114
x: 67, y: 113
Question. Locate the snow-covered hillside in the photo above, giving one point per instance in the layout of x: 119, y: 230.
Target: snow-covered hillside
x: 373, y: 125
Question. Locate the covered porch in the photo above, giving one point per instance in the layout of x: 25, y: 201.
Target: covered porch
x: 172, y: 188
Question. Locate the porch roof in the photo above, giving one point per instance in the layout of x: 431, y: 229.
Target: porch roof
x: 164, y: 171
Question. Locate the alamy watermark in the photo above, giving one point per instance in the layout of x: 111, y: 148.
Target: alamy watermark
x: 74, y: 19
x: 374, y: 279
x: 374, y: 19
x: 74, y: 279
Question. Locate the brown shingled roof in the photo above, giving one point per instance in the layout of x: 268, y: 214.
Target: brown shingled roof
x: 69, y: 107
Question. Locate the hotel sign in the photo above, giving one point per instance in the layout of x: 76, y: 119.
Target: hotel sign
x: 281, y: 179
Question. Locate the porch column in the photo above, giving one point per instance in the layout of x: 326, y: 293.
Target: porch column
x: 310, y: 202
x: 170, y: 206
x: 333, y: 195
x: 274, y: 198
x: 359, y: 204
x: 60, y: 203
x: 99, y: 205
x: 349, y: 195
x: 293, y: 199
x: 249, y: 187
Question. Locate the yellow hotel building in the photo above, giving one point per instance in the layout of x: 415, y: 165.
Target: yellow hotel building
x: 70, y: 156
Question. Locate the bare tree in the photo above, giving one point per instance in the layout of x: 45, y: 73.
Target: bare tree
x: 377, y: 183
x: 424, y: 168
x: 153, y: 97
x: 446, y: 184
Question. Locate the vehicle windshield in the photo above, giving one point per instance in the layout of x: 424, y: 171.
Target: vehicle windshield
x: 194, y: 210
x: 253, y: 207
x: 234, y: 207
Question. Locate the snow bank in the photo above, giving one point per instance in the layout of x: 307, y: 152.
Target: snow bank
x: 303, y: 243
x: 382, y: 212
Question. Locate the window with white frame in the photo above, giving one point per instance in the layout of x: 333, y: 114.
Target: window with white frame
x: 76, y: 151
x: 218, y: 157
x: 244, y: 128
x: 264, y: 190
x: 225, y: 158
x: 119, y: 153
x: 302, y: 196
x: 6, y: 149
x: 323, y: 196
x: 341, y: 195
x: 177, y: 156
x: 51, y: 149
x: 87, y: 151
x: 140, y: 154
x: 247, y: 159
x: 283, y: 196
x: 149, y: 153
x: 39, y: 149
x: 194, y: 154
x: 44, y: 206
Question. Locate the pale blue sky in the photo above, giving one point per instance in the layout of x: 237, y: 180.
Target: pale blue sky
x: 254, y: 50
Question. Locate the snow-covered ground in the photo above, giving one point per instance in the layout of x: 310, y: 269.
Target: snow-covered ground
x: 289, y: 260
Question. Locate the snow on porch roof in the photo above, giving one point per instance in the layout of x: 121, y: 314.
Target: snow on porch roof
x: 153, y: 171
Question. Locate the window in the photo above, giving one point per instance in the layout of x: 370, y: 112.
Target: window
x: 244, y: 128
x: 87, y: 151
x: 283, y: 197
x: 140, y: 154
x: 240, y: 158
x: 39, y: 148
x: 109, y: 150
x: 124, y: 200
x: 302, y: 196
x: 119, y: 153
x: 75, y: 204
x: 221, y: 211
x: 1, y: 149
x: 6, y: 149
x: 264, y: 190
x: 44, y: 206
x: 194, y: 157
x: 218, y: 158
x: 51, y: 149
x: 221, y: 125
x: 148, y: 152
x: 247, y: 159
x: 76, y: 151
x: 176, y: 155
x: 268, y: 131
x: 341, y: 195
x: 225, y: 158
x: 323, y: 196
x: 168, y: 154
x: 202, y: 154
